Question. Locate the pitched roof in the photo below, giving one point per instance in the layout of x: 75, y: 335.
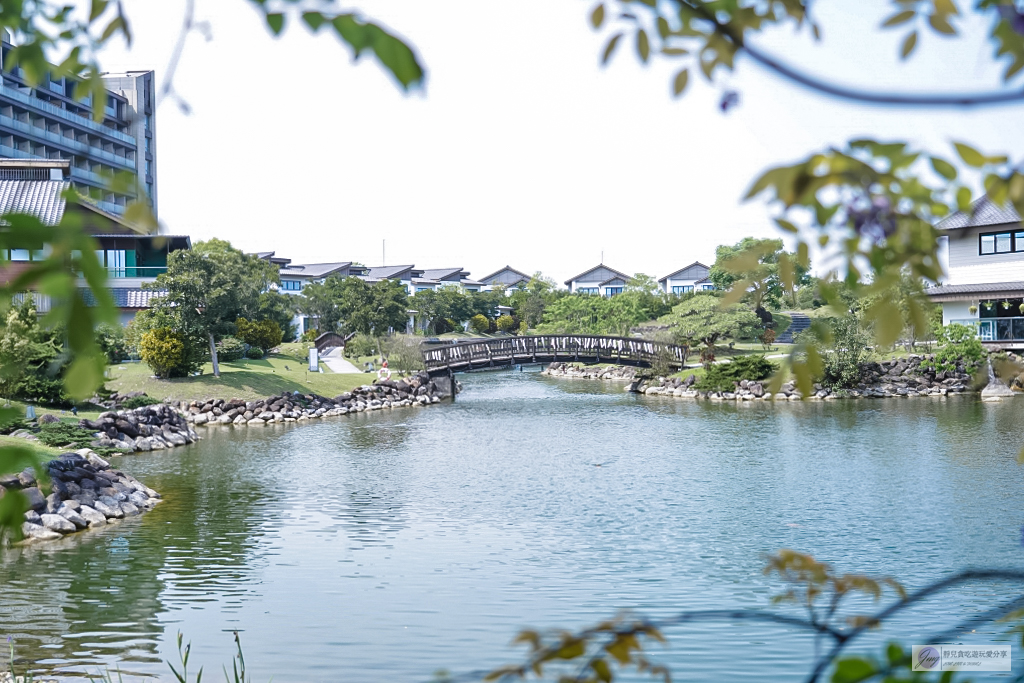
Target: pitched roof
x: 591, y: 270
x: 126, y: 297
x: 386, y: 272
x: 994, y: 288
x: 613, y: 279
x: 314, y: 269
x: 441, y: 273
x: 40, y: 198
x: 983, y: 212
x: 498, y: 272
x: 695, y: 263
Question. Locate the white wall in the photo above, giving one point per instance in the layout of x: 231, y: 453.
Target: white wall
x: 968, y: 267
x: 957, y: 310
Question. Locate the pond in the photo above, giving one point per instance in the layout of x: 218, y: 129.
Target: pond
x: 394, y: 544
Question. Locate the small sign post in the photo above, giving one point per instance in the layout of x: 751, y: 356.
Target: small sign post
x: 314, y: 360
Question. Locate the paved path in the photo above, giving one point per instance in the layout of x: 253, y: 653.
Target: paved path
x: 337, y: 363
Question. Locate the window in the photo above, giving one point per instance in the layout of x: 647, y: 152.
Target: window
x: 682, y: 289
x: 612, y: 291
x: 291, y: 285
x: 114, y: 260
x: 588, y: 290
x: 998, y: 243
x: 19, y: 254
x: 707, y: 288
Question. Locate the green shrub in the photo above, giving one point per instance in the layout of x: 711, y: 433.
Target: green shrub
x: 843, y: 353
x: 163, y: 350
x: 139, y: 401
x: 230, y: 349
x: 724, y: 376
x: 265, y: 334
x: 360, y: 345
x: 60, y: 434
x: 113, y: 342
x: 479, y: 323
x: 403, y: 353
x: 506, y: 323
x: 309, y: 335
x: 957, y: 343
x: 254, y: 352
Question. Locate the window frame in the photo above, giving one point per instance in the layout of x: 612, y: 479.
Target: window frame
x: 1016, y: 246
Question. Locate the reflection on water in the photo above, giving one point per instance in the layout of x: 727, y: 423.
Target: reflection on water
x: 395, y: 543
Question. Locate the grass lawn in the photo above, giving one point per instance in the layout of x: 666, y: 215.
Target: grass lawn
x: 782, y: 322
x: 84, y: 410
x: 40, y: 449
x: 245, y: 379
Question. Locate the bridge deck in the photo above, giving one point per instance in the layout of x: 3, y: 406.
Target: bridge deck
x: 472, y: 355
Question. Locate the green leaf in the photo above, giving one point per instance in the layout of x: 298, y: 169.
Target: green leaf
x: 392, y: 53
x: 314, y: 20
x: 944, y: 168
x: 971, y: 156
x: 597, y: 17
x: 909, y: 43
x: 941, y: 24
x: 98, y: 7
x: 610, y: 47
x: 786, y: 226
x: 679, y: 83
x: 275, y: 20
x: 643, y: 45
x: 899, y: 18
x: 963, y: 199
x: 852, y: 670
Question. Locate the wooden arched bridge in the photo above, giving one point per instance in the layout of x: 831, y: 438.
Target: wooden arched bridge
x: 549, y: 348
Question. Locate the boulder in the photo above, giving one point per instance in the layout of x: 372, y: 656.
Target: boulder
x: 108, y: 511
x: 37, y: 532
x: 74, y: 517
x: 58, y: 523
x: 92, y: 516
x: 129, y: 509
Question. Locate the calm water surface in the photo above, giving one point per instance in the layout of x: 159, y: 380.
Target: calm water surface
x: 392, y: 545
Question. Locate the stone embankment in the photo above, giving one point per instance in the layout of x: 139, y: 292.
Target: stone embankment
x: 896, y: 378
x: 86, y: 492
x: 418, y: 390
x: 590, y: 371
x: 149, y: 428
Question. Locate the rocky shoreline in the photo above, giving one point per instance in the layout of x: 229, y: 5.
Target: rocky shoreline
x: 897, y: 378
x: 86, y: 492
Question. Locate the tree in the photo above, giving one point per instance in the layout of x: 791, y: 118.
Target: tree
x: 322, y: 301
x: 211, y: 286
x: 375, y: 309
x: 479, y: 323
x: 530, y: 302
x: 754, y: 266
x: 281, y: 308
x: 446, y: 303
x: 703, y: 320
x: 25, y: 348
x: 575, y: 314
x: 263, y: 334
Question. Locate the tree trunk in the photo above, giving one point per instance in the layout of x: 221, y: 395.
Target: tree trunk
x: 379, y: 352
x: 213, y: 356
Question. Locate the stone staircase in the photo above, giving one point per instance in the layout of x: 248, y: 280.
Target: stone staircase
x: 800, y: 323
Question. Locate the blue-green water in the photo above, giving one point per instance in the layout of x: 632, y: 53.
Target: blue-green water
x: 393, y: 544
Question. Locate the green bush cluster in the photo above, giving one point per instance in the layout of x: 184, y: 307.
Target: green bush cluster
x: 254, y: 353
x: 957, y: 343
x: 506, y: 323
x: 724, y: 376
x: 113, y: 342
x: 263, y: 334
x: 139, y: 401
x: 163, y: 350
x: 230, y: 349
x: 360, y: 345
x: 479, y: 323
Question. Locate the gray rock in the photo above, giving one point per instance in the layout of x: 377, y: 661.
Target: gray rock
x: 53, y: 502
x: 109, y: 511
x: 58, y: 523
x: 32, y: 517
x: 37, y: 532
x: 74, y: 517
x: 36, y: 501
x: 129, y: 509
x: 139, y: 499
x: 71, y: 504
x: 92, y: 516
x: 27, y: 478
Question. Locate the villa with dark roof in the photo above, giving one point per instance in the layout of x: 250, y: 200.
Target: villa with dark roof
x: 692, y: 278
x: 132, y: 257
x: 600, y: 280
x: 984, y: 262
x: 508, y: 277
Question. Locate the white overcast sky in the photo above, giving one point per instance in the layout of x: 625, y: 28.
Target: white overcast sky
x: 521, y: 150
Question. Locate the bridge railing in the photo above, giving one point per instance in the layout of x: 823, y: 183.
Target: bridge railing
x: 507, y: 350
